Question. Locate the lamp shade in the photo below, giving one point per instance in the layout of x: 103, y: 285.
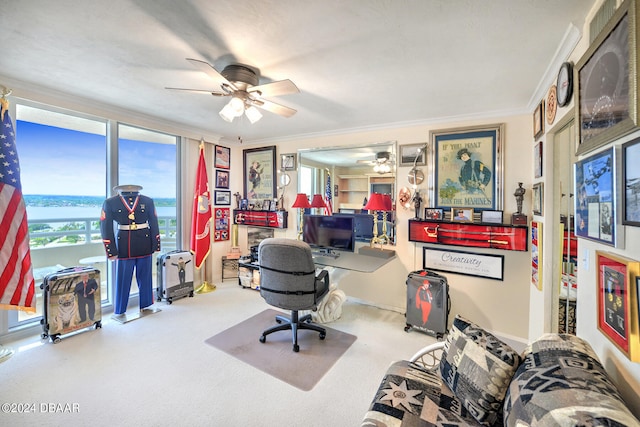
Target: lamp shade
x: 387, y: 202
x: 301, y: 201
x: 376, y: 203
x: 317, y: 201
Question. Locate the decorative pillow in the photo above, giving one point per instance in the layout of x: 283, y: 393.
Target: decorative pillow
x: 478, y: 368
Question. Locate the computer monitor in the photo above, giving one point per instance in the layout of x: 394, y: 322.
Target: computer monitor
x: 329, y: 232
x: 362, y: 225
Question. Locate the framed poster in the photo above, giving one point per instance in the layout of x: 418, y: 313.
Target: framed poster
x: 222, y: 158
x: 631, y: 183
x: 259, y: 174
x: 466, y: 263
x: 222, y: 197
x: 413, y: 153
x: 536, y: 254
x: 467, y: 165
x: 607, y: 99
x: 617, y: 297
x: 221, y: 218
x: 222, y: 179
x: 595, y: 207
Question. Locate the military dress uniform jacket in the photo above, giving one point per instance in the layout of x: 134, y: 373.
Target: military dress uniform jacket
x: 135, y: 232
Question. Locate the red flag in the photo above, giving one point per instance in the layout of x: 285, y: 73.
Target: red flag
x: 201, y: 218
x: 17, y: 286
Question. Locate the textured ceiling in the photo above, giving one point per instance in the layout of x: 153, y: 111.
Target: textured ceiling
x: 359, y: 64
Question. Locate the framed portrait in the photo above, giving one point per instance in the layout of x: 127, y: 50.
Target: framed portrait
x: 434, y: 214
x: 606, y: 95
x: 222, y: 158
x: 462, y: 214
x: 537, y: 160
x: 467, y: 167
x: 538, y: 120
x: 288, y: 162
x: 617, y: 302
x: 222, y: 179
x: 221, y: 224
x: 260, y: 174
x: 537, y: 193
x: 266, y: 205
x: 222, y: 197
x: 631, y: 183
x: 595, y: 201
x: 536, y: 254
x: 491, y: 217
x: 244, y: 204
x: 413, y: 153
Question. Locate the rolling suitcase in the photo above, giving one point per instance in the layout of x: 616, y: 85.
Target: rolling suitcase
x: 428, y: 303
x: 175, y: 275
x: 71, y: 301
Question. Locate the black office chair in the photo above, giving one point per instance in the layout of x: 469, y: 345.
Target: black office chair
x: 288, y: 280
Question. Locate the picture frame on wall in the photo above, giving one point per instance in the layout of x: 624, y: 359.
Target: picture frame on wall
x: 537, y: 160
x: 288, y: 162
x: 538, y: 120
x: 222, y: 197
x: 536, y: 254
x: 411, y: 153
x: 259, y: 174
x: 468, y: 167
x: 631, y: 183
x: 595, y: 200
x: 617, y: 302
x: 222, y: 157
x: 537, y: 192
x: 606, y: 98
x: 221, y: 224
x: 222, y: 179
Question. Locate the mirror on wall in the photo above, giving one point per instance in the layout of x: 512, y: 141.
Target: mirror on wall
x: 354, y: 172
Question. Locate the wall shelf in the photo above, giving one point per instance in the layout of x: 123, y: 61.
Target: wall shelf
x: 479, y: 235
x: 271, y: 219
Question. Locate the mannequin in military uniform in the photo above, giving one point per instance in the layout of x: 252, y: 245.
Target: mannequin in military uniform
x: 130, y: 233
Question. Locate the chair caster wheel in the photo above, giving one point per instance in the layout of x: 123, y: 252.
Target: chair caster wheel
x: 323, y: 336
x: 296, y: 348
x: 263, y: 339
x: 278, y: 321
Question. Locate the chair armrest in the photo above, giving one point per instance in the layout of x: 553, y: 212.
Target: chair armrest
x: 324, y: 275
x: 429, y: 356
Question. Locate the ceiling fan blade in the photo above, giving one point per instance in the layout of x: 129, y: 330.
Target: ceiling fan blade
x: 208, y: 69
x: 273, y: 107
x: 281, y: 87
x: 208, y: 92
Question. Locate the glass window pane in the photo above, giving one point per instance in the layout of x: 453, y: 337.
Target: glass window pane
x: 63, y: 173
x: 149, y: 159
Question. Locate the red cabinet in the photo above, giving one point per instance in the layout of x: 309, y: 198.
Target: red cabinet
x: 495, y: 236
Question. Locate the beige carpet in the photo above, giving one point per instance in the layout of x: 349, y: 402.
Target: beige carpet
x: 276, y: 356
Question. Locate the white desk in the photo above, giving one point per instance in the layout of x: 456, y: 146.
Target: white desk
x: 93, y: 260
x: 353, y: 261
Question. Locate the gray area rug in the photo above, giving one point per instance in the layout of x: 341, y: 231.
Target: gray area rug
x: 276, y: 356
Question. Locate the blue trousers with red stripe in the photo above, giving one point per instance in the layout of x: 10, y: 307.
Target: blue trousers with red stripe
x: 124, y: 274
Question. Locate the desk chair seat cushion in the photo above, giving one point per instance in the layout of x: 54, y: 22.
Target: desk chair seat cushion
x: 288, y: 275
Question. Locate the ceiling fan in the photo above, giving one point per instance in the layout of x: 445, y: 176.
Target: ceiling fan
x: 381, y: 162
x: 240, y: 82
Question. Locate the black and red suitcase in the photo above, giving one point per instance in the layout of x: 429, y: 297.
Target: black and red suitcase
x: 428, y: 303
x: 72, y: 302
x: 174, y: 275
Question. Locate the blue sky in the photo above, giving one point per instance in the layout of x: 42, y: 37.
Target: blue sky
x: 57, y: 161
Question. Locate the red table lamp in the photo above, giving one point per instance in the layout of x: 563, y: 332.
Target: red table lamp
x: 318, y: 201
x: 377, y: 203
x: 302, y: 203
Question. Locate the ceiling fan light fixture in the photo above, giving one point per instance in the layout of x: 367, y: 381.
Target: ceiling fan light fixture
x: 227, y: 113
x: 236, y: 105
x: 253, y: 114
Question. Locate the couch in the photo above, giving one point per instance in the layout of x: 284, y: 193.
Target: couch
x: 474, y: 379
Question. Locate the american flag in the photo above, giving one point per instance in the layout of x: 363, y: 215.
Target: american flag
x: 17, y: 286
x: 328, y: 209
